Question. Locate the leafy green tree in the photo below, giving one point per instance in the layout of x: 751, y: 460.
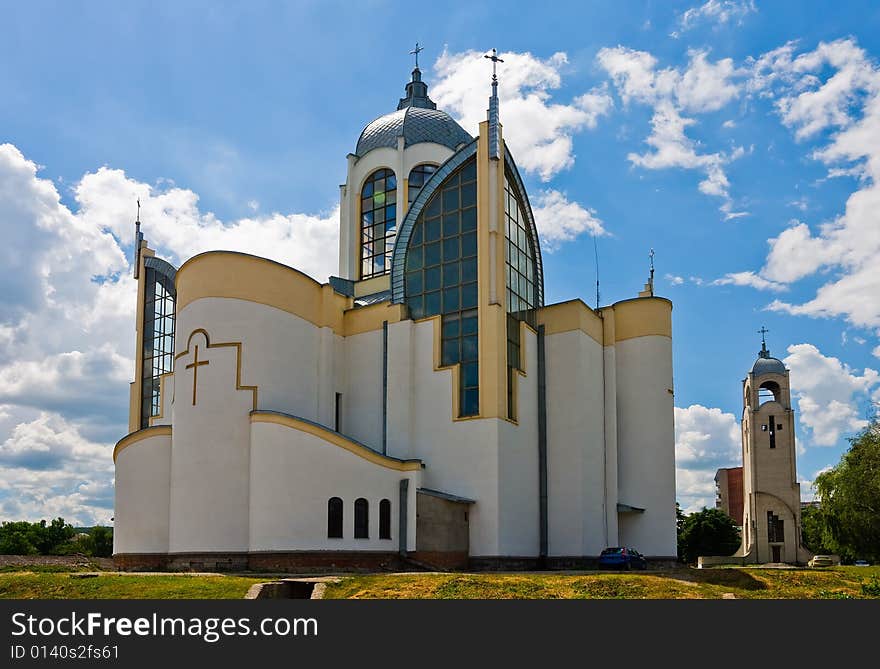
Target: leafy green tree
x: 102, y: 541
x: 812, y: 528
x: 680, y: 517
x: 707, y: 532
x: 18, y: 538
x: 850, y: 499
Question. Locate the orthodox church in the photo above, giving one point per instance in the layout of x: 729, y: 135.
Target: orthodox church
x: 425, y: 405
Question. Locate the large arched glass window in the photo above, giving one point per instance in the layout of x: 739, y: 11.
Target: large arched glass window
x: 385, y: 519
x: 521, y: 281
x: 417, y: 178
x: 378, y: 223
x: 334, y: 518
x: 361, y: 518
x: 158, y: 335
x: 441, y: 276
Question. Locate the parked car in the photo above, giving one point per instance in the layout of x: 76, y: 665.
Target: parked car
x: 861, y: 563
x: 821, y: 561
x: 622, y: 557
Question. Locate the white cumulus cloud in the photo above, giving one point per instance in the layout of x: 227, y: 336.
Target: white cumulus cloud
x: 828, y: 393
x: 539, y: 129
x: 560, y: 220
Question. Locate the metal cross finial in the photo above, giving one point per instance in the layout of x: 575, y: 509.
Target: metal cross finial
x: 651, y: 256
x: 762, y: 332
x: 416, y: 52
x: 495, y: 59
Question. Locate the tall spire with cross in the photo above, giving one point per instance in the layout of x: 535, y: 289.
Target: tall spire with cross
x: 416, y: 90
x: 138, y: 238
x: 764, y: 353
x: 494, y: 143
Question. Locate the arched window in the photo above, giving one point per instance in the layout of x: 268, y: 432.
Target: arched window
x: 385, y: 519
x: 768, y: 392
x: 521, y: 278
x: 361, y: 518
x: 441, y: 276
x: 378, y: 223
x: 334, y: 518
x: 417, y: 178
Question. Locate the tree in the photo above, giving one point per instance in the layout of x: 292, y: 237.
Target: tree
x: 812, y: 527
x: 850, y: 498
x: 680, y: 517
x: 102, y: 541
x: 707, y: 532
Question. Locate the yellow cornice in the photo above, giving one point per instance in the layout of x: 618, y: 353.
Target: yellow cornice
x: 254, y: 279
x: 140, y: 435
x: 568, y: 316
x: 244, y: 277
x: 642, y: 317
x: 336, y: 439
x: 627, y: 319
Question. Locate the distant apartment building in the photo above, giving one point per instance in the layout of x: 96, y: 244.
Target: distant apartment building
x: 729, y: 492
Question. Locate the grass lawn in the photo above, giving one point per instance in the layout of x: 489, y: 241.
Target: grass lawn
x: 828, y: 583
x: 742, y: 583
x: 50, y: 584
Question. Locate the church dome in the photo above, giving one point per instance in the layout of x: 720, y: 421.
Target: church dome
x: 768, y: 365
x: 417, y: 119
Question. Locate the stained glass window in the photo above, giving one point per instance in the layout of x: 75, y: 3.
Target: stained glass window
x: 378, y: 223
x: 521, y: 278
x: 441, y: 276
x: 418, y: 176
x: 158, y: 339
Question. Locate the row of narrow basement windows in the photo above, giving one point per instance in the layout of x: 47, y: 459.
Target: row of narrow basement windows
x: 335, y: 518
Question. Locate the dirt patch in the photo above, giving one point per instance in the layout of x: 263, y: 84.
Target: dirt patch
x: 60, y: 562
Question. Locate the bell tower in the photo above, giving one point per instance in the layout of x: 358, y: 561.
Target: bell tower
x: 771, y: 529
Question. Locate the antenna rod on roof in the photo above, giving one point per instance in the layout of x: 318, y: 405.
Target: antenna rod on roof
x: 596, y: 253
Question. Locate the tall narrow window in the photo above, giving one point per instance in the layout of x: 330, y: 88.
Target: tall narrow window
x: 378, y: 223
x: 775, y: 528
x: 441, y: 276
x: 385, y: 519
x: 520, y: 280
x: 334, y: 518
x: 337, y: 413
x: 361, y: 518
x: 417, y: 178
x: 158, y: 333
x: 772, y: 424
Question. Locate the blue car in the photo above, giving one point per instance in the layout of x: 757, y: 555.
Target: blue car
x: 622, y: 557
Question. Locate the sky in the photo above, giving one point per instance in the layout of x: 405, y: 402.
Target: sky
x: 740, y: 140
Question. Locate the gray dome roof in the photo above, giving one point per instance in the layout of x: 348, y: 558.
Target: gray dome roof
x: 415, y: 125
x: 768, y: 365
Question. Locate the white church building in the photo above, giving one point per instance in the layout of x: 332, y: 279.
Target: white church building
x: 426, y: 405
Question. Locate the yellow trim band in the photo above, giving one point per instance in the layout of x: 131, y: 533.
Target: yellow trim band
x: 140, y: 435
x: 336, y: 439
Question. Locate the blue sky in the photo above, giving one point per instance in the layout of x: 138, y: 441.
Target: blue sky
x: 740, y: 140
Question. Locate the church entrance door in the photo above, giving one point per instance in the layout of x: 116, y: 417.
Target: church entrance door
x: 777, y: 553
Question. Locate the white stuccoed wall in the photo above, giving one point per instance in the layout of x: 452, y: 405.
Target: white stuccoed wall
x: 362, y: 397
x: 575, y: 444
x: 646, y: 433
x: 289, y: 500
x: 142, y: 496
x: 209, y: 460
x: 461, y: 457
x: 519, y: 529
